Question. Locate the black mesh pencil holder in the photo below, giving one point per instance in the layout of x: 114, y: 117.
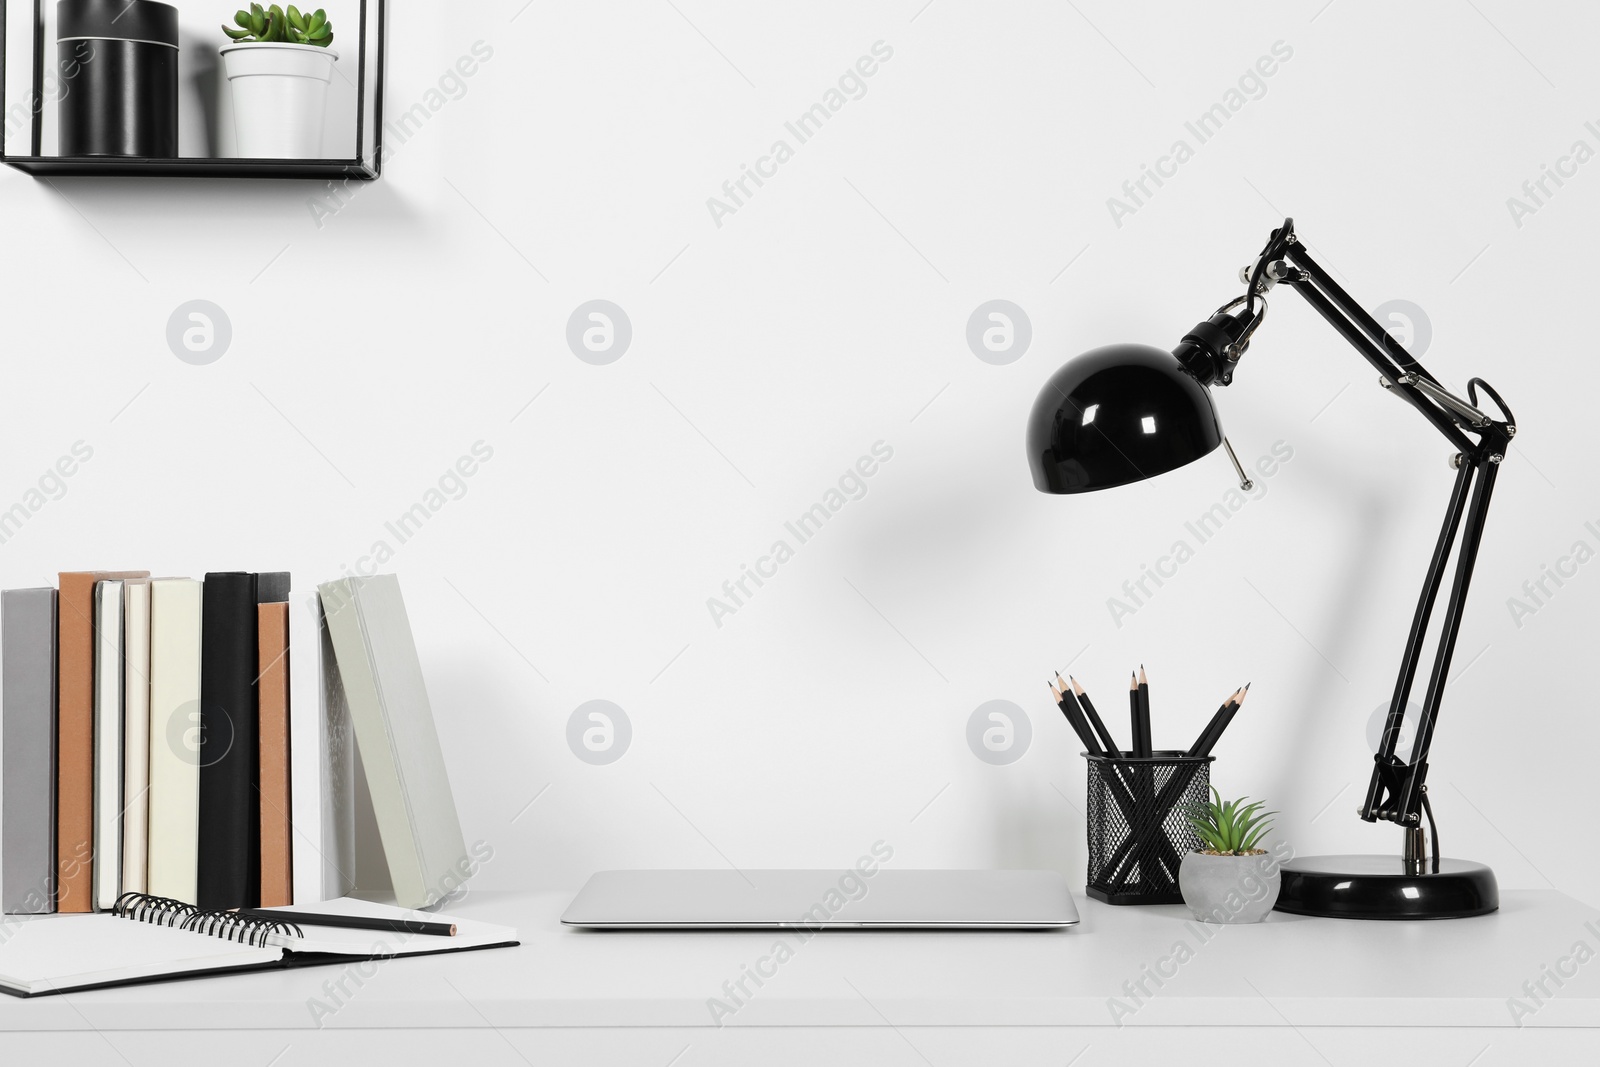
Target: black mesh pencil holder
x: 1138, y: 824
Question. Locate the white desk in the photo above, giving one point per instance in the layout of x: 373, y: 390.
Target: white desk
x: 1299, y: 990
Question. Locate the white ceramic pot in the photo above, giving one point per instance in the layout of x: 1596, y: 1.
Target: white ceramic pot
x: 1229, y: 889
x: 280, y: 98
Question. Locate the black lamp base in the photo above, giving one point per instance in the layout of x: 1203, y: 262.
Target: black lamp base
x: 1386, y: 887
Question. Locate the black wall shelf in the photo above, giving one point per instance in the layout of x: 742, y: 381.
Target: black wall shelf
x: 33, y: 51
x: 184, y: 167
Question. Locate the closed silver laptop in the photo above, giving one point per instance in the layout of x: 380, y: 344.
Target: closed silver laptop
x: 823, y: 900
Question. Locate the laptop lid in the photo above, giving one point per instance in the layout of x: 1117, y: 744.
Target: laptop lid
x: 823, y: 900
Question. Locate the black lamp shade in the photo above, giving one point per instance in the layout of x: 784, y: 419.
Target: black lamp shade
x: 1116, y: 415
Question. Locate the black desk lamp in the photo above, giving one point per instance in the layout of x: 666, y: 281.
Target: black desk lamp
x: 1127, y: 412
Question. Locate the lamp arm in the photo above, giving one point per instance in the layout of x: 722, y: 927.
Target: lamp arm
x: 1285, y: 259
x: 1397, y: 791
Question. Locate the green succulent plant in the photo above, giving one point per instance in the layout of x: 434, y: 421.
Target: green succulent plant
x: 274, y: 24
x: 1233, y: 828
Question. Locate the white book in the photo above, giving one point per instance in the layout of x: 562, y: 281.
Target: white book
x: 175, y: 606
x: 108, y: 678
x: 322, y: 760
x: 398, y: 742
x: 135, y: 734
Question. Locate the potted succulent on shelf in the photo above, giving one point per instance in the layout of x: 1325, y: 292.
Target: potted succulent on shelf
x: 1231, y: 880
x: 278, y: 70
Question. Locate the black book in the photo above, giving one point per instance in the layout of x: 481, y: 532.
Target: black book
x: 230, y: 821
x: 272, y: 587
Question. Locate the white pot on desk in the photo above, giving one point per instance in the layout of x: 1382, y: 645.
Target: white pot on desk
x: 1229, y: 889
x: 280, y: 97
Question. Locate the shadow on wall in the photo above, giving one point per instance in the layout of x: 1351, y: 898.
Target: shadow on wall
x: 939, y: 525
x: 209, y: 124
x: 1322, y: 711
x: 1031, y: 832
x: 1326, y: 713
x: 288, y: 201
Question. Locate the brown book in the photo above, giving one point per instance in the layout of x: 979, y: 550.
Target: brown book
x: 75, y: 737
x: 272, y: 689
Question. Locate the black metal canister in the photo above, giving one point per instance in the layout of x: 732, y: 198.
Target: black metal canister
x: 118, y: 65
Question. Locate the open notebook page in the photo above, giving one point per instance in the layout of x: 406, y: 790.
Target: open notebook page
x: 64, y: 952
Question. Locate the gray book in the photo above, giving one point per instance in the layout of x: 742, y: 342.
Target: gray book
x: 28, y: 740
x: 396, y: 740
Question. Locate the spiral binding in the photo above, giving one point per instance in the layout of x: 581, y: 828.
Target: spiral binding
x: 164, y: 911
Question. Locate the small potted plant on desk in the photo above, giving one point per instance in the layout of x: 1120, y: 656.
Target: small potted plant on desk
x: 278, y: 70
x: 1231, y: 880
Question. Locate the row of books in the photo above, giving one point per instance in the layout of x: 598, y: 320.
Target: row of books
x: 194, y: 740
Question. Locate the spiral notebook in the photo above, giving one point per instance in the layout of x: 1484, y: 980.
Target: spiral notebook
x: 152, y: 939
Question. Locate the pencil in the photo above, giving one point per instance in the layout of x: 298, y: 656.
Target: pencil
x: 1212, y: 723
x: 349, y: 922
x: 1220, y: 723
x: 1137, y: 749
x: 1074, y: 716
x: 1107, y: 742
x: 1069, y: 707
x: 1147, y: 745
x: 1237, y: 704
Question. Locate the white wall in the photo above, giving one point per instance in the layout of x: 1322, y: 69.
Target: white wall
x: 829, y: 312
